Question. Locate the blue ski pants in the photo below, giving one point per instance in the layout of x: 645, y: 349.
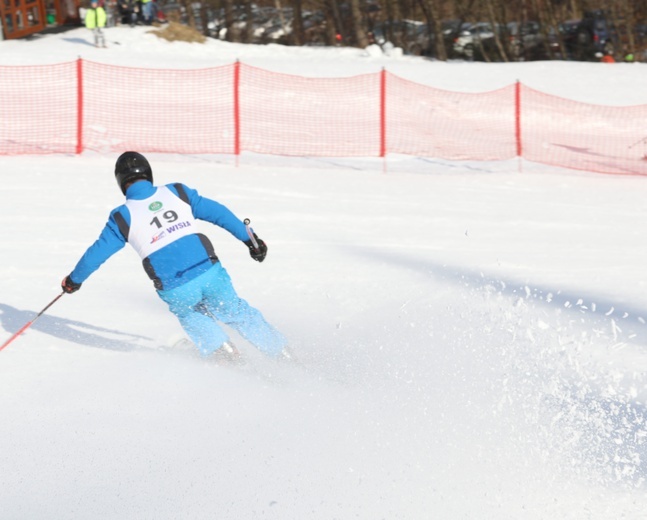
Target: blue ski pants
x: 210, y: 298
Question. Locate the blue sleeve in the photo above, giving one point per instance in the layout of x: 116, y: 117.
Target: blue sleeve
x: 214, y: 212
x: 109, y: 242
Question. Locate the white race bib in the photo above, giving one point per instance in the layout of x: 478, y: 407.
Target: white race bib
x: 157, y: 221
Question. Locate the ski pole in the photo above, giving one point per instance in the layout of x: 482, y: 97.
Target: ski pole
x: 250, y: 232
x: 30, y: 323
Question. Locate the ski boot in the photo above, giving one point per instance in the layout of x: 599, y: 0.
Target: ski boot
x: 227, y: 355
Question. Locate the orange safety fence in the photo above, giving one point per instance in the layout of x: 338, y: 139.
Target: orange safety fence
x: 153, y: 110
x: 291, y: 115
x: 566, y: 133
x: 39, y: 110
x: 82, y: 105
x: 429, y: 122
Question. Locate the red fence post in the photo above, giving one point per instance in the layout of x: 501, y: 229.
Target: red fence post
x: 237, y: 108
x: 79, y: 108
x: 517, y: 117
x: 383, y: 113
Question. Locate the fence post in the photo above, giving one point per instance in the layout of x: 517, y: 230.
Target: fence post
x: 383, y: 113
x: 517, y: 117
x: 237, y: 109
x: 79, y: 107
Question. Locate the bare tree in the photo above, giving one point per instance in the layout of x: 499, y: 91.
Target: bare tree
x: 298, y: 37
x: 432, y: 12
x: 623, y: 18
x: 549, y: 22
x: 461, y: 10
x: 351, y: 21
x: 334, y: 23
x: 357, y: 21
x: 248, y: 31
x: 190, y: 15
x: 393, y: 11
x: 228, y: 6
x: 496, y: 14
x: 204, y: 18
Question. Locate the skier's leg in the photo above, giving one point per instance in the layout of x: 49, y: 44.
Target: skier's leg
x: 205, y: 333
x: 225, y: 305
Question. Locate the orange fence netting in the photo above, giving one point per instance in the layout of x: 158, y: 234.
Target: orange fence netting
x: 77, y: 106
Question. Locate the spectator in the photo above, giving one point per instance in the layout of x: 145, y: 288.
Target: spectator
x: 605, y: 58
x: 95, y: 20
x: 147, y: 11
x: 128, y: 12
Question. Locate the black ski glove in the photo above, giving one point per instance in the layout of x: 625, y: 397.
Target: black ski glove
x: 257, y: 254
x: 69, y: 286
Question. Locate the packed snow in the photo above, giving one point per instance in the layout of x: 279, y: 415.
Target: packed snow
x: 471, y: 336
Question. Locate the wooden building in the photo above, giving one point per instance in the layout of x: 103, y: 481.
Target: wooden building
x: 21, y: 18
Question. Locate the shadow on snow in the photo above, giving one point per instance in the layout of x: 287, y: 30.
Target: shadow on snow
x: 13, y: 319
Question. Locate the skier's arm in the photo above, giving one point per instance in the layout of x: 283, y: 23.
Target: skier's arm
x: 109, y: 242
x: 214, y: 212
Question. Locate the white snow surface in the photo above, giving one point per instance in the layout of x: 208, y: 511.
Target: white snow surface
x: 471, y: 334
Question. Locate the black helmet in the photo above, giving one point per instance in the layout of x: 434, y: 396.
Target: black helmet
x: 132, y: 166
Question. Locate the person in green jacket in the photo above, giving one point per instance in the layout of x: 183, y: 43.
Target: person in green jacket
x: 95, y: 20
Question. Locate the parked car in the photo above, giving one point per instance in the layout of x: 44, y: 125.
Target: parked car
x: 276, y: 28
x: 526, y: 41
x: 477, y: 41
x: 566, y: 36
x: 412, y: 36
x: 314, y: 28
x: 451, y: 30
x: 596, y: 33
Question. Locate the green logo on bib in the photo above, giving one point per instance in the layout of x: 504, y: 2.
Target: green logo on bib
x: 154, y: 206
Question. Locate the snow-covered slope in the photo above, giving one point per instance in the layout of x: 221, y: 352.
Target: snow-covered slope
x: 472, y: 336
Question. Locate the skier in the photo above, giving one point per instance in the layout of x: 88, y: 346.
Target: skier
x: 159, y: 222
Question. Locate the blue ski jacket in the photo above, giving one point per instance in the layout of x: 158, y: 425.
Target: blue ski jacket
x: 174, y: 264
